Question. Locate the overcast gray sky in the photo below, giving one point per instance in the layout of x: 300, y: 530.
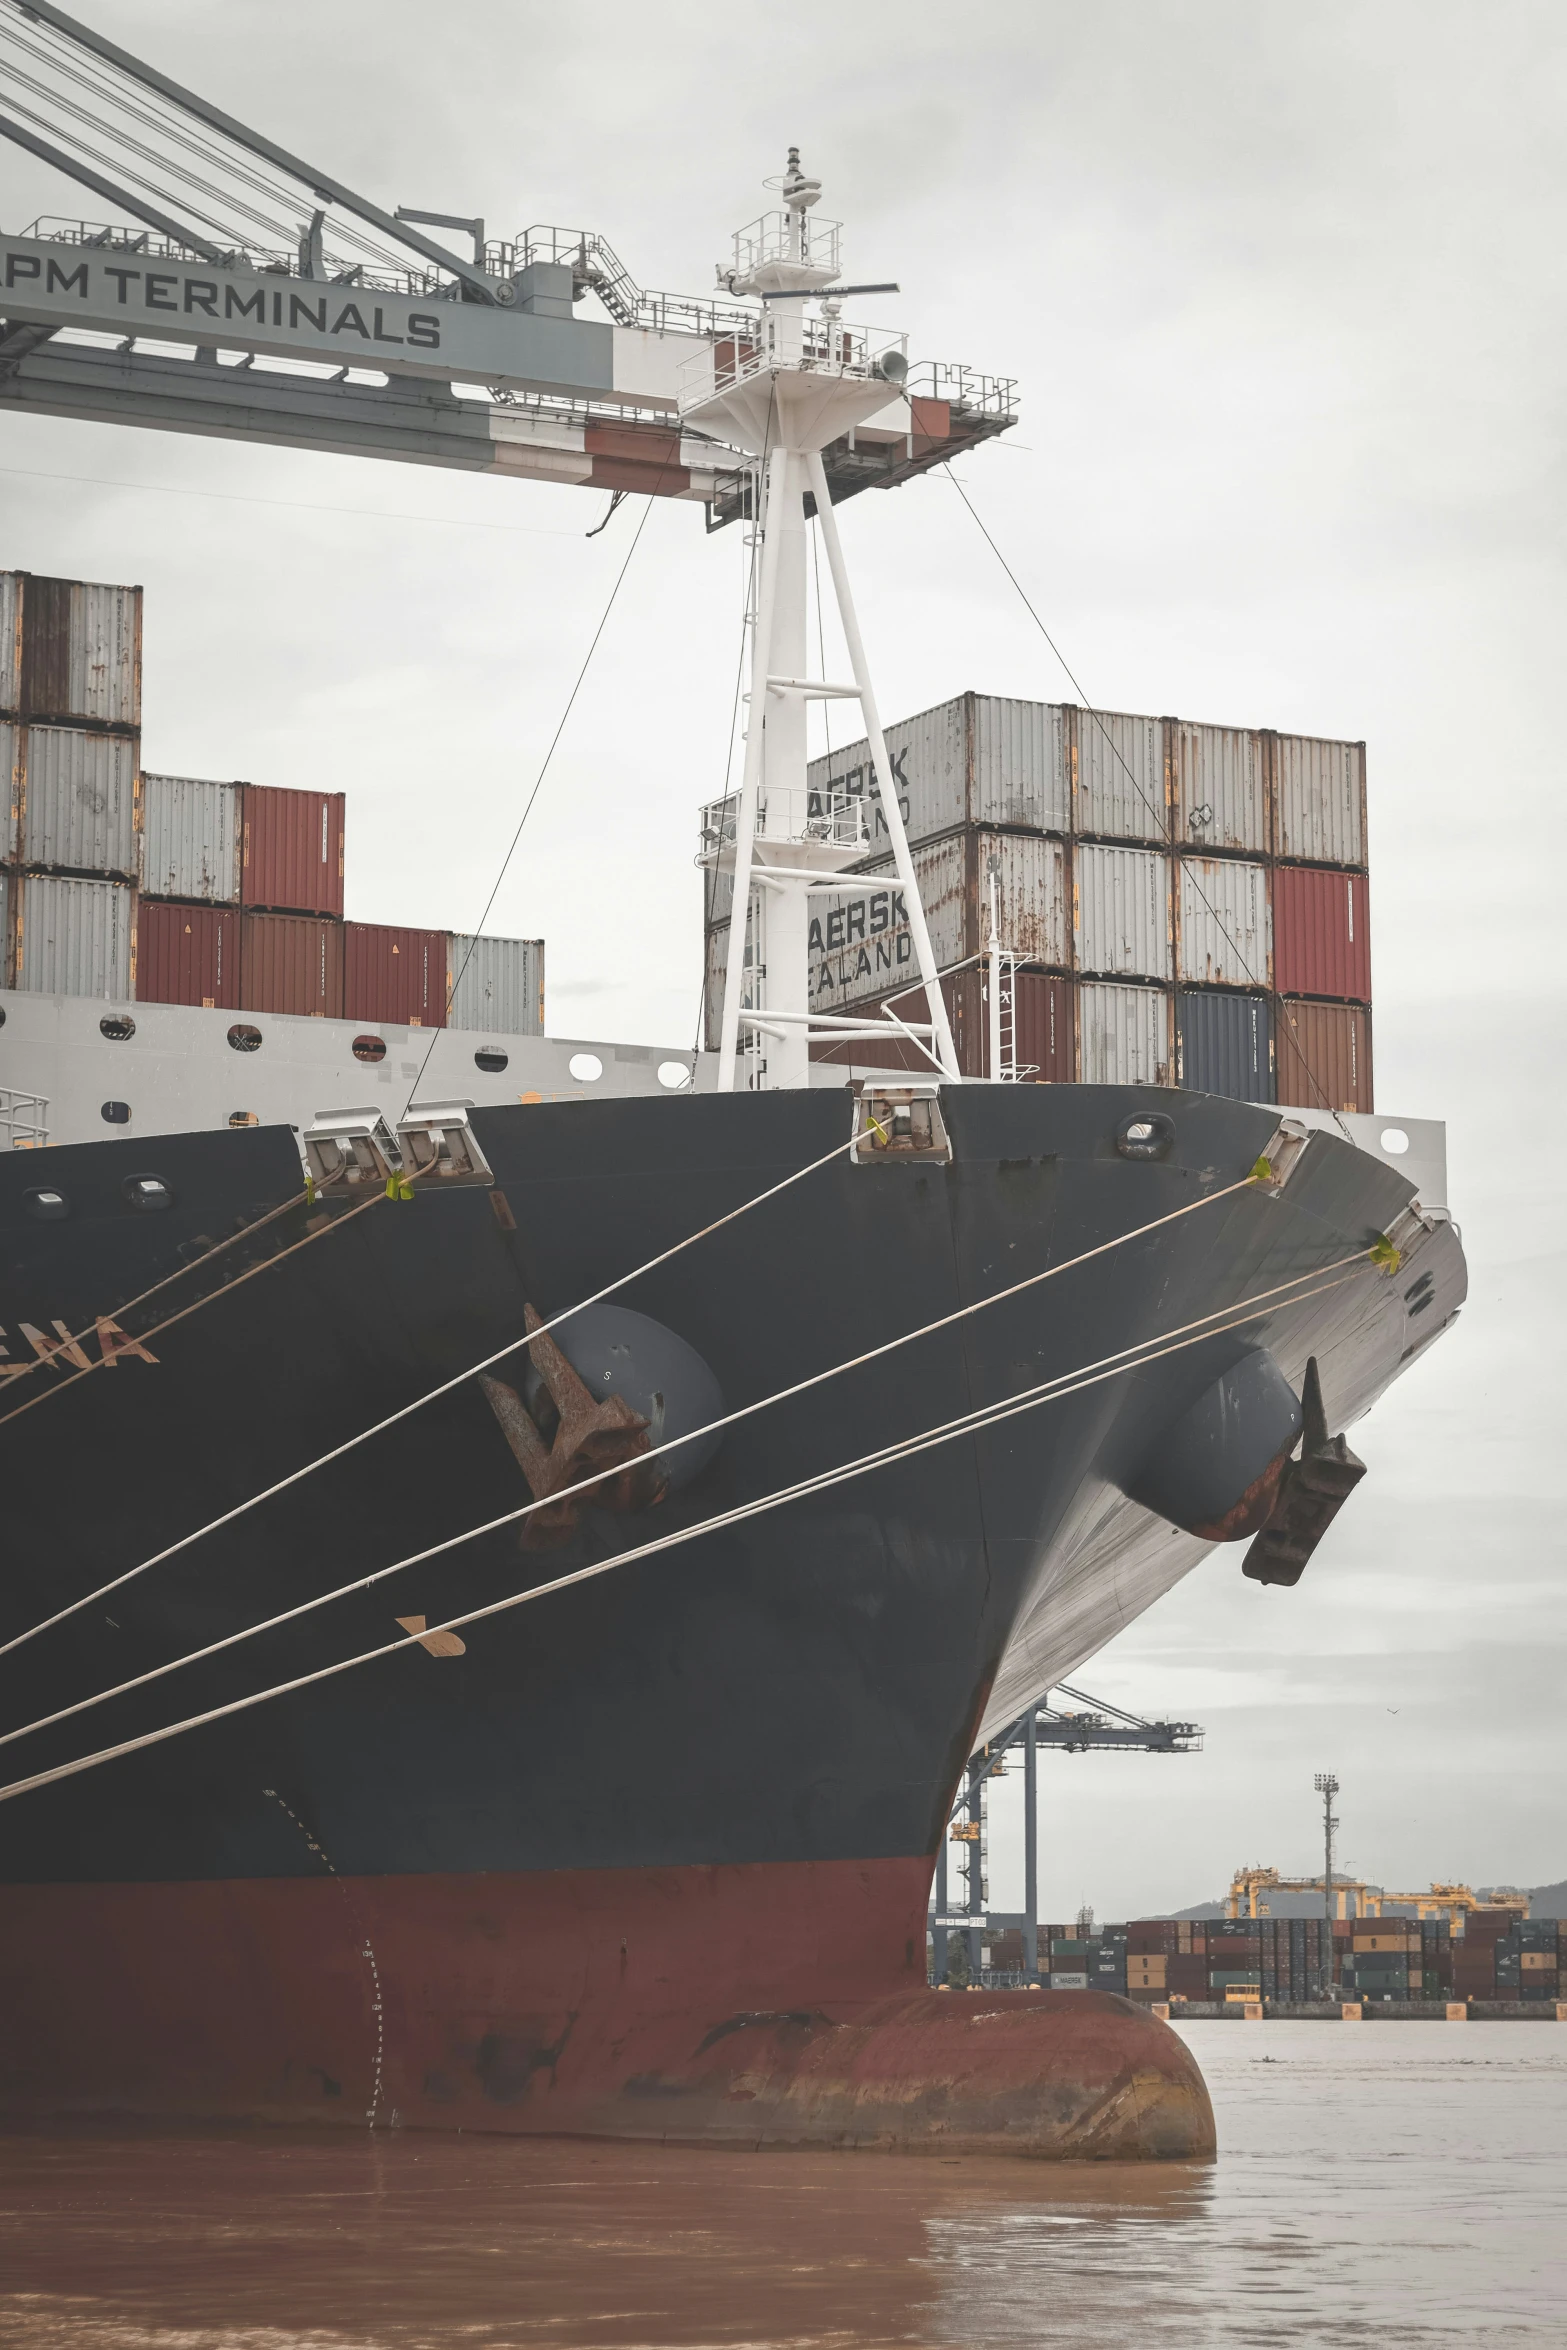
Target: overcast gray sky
x: 1283, y: 289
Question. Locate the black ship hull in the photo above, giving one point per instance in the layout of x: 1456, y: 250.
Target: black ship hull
x: 644, y: 1852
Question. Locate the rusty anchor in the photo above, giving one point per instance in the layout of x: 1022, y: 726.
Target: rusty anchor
x: 593, y: 1434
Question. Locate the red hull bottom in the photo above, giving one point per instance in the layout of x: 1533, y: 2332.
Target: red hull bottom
x: 776, y: 2005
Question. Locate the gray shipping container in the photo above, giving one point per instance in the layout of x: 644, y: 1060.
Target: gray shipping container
x: 1118, y: 775
x: 80, y: 802
x: 191, y: 832
x: 861, y: 946
x: 1219, y: 786
x: 70, y: 649
x: 1121, y: 911
x: 1224, y: 1045
x: 1320, y: 796
x: 73, y: 937
x: 1226, y: 936
x: 1123, y: 1035
x: 980, y: 759
x: 497, y: 985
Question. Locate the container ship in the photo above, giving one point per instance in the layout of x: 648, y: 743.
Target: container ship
x: 512, y: 1542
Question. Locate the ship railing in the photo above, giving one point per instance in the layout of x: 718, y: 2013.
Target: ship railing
x: 597, y: 268
x: 263, y: 261
x: 771, y: 239
x: 24, y: 1120
x: 780, y: 342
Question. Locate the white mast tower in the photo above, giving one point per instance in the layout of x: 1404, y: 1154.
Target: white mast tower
x: 803, y: 383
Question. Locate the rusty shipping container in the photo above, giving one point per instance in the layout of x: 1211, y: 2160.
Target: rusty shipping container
x: 393, y: 975
x: 75, y: 801
x: 979, y: 759
x: 292, y: 963
x: 1038, y: 1028
x: 1321, y: 933
x: 72, y: 936
x: 1121, y: 911
x: 291, y: 858
x: 1319, y: 798
x: 497, y: 984
x: 1323, y: 1055
x: 1218, y: 787
x: 70, y: 650
x: 191, y: 838
x: 1123, y: 1035
x: 861, y: 946
x: 1226, y: 926
x: 1118, y: 775
x: 187, y: 954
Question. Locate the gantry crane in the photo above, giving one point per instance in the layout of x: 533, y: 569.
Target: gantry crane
x: 246, y: 293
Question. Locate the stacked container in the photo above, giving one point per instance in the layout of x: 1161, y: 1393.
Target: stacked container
x: 70, y: 758
x: 1195, y: 895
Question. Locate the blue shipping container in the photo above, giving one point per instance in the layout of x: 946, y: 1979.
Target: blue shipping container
x: 1224, y: 1044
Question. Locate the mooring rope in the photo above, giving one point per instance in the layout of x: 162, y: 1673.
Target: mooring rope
x: 971, y: 1423
x: 1186, y: 1333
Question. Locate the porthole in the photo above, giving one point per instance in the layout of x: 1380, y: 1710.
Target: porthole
x: 1394, y: 1141
x: 147, y: 1191
x: 490, y: 1059
x: 118, y: 1027
x: 243, y: 1118
x: 1147, y: 1134
x: 50, y: 1207
x: 369, y: 1048
x: 116, y: 1113
x: 244, y: 1039
x: 2, y: 1015
x: 587, y: 1068
x: 673, y: 1074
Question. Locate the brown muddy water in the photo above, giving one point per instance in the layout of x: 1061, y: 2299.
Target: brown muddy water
x: 1401, y: 2183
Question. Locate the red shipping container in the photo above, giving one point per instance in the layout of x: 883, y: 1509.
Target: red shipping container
x: 1146, y: 1936
x: 396, y: 976
x: 293, y: 963
x: 1324, y: 1055
x: 1321, y: 933
x: 292, y: 855
x: 188, y: 955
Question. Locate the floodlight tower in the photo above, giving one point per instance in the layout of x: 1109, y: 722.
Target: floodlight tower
x: 802, y: 383
x: 1327, y: 1787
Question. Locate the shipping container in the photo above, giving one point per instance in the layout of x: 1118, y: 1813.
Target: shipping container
x: 77, y: 800
x: 188, y: 955
x: 861, y: 946
x: 1321, y: 933
x: 1118, y: 775
x: 1218, y: 786
x: 979, y: 759
x: 1319, y: 796
x: 1322, y: 1055
x: 1123, y: 1035
x: 1226, y: 930
x: 191, y: 838
x: 497, y: 984
x: 76, y: 653
x: 292, y: 851
x: 396, y: 976
x: 1224, y: 1044
x: 73, y: 937
x: 1121, y: 912
x: 10, y: 641
x: 292, y: 963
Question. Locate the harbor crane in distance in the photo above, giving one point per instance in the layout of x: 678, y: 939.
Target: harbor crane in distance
x: 1098, y: 1728
x: 245, y: 293
x: 1250, y: 1887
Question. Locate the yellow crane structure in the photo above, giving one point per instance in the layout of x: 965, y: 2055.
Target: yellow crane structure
x: 1250, y: 1888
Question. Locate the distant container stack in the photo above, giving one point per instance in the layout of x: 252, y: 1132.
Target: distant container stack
x: 70, y: 756
x: 1225, y: 1962
x: 1183, y: 903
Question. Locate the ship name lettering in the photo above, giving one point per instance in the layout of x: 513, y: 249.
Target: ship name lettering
x: 64, y: 1348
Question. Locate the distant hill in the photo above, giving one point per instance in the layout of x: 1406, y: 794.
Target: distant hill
x: 1548, y: 1901
x: 1204, y: 1909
